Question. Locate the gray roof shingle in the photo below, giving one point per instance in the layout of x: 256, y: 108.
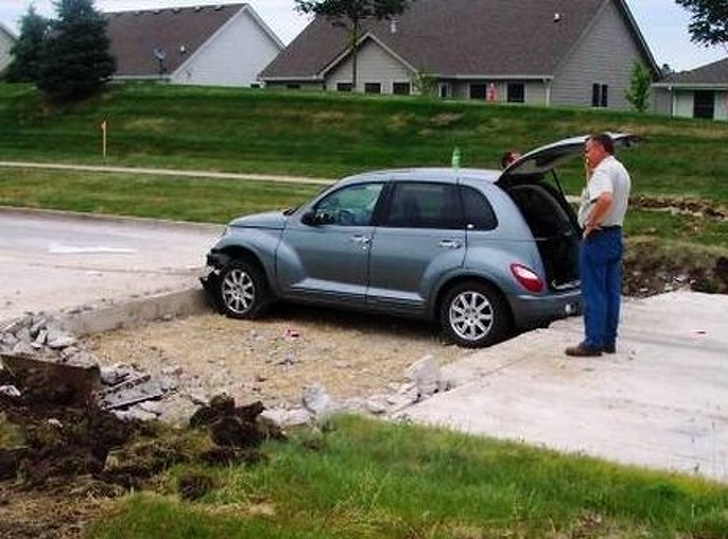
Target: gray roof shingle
x: 715, y: 73
x: 451, y: 38
x: 179, y: 32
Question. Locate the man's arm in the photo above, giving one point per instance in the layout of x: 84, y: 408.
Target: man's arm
x: 599, y: 210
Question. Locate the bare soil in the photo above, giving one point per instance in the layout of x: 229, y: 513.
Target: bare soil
x: 269, y: 360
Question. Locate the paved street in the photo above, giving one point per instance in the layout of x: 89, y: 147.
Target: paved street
x: 52, y: 261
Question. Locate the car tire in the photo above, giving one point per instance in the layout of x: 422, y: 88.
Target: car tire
x: 474, y: 315
x: 242, y: 291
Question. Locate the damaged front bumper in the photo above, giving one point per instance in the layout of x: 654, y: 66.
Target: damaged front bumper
x: 210, y: 280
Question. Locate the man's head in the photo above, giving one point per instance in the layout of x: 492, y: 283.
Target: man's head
x: 597, y: 148
x: 509, y: 157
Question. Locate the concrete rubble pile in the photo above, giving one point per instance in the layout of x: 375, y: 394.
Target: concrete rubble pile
x: 172, y: 396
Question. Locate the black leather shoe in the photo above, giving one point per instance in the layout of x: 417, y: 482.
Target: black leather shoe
x: 580, y: 350
x: 609, y: 348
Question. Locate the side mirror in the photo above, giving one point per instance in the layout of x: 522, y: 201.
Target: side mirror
x: 317, y: 218
x: 309, y: 218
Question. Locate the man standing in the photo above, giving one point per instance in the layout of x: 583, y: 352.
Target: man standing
x: 601, y: 214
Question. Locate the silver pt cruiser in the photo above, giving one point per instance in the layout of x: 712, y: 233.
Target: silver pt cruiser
x: 483, y: 252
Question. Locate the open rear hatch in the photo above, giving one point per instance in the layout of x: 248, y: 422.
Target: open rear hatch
x: 533, y: 184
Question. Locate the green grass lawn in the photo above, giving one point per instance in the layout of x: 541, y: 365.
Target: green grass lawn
x: 323, y: 135
x: 368, y: 479
x: 329, y: 135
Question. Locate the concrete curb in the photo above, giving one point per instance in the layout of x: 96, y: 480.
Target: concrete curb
x: 136, y: 312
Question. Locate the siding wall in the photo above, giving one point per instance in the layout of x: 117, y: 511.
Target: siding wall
x: 662, y: 101
x: 604, y: 56
x: 721, y: 105
x: 683, y: 104
x: 6, y: 43
x: 233, y: 57
x: 374, y: 65
x: 535, y: 92
x: 680, y: 103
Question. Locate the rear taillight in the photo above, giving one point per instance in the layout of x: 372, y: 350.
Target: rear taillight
x: 527, y: 278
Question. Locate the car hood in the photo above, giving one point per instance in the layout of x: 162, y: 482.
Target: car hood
x: 547, y: 157
x: 271, y: 219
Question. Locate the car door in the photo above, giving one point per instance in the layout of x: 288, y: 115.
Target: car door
x: 420, y: 239
x: 324, y: 251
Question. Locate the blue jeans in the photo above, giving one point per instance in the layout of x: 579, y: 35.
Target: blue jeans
x: 600, y: 270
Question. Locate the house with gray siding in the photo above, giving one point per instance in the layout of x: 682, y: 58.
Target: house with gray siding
x: 222, y: 45
x: 7, y: 40
x: 698, y: 93
x: 540, y: 52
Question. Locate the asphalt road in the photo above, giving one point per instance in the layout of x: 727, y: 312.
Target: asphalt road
x: 55, y: 262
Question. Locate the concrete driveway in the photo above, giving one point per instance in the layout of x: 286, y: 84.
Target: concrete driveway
x: 661, y: 401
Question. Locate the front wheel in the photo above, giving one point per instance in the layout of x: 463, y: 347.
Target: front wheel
x: 474, y: 315
x: 242, y: 291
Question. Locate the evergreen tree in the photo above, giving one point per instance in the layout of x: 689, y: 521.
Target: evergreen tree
x: 76, y: 59
x: 26, y: 62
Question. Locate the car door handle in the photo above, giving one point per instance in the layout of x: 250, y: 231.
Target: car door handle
x: 450, y: 244
x: 361, y: 240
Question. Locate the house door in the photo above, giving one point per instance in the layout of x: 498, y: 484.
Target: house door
x: 704, y: 104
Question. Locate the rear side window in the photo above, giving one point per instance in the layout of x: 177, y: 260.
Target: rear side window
x: 424, y: 205
x: 479, y: 214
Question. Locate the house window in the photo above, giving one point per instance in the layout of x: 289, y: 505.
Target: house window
x: 401, y: 88
x: 478, y: 91
x: 372, y: 88
x: 600, y: 95
x: 516, y: 92
x: 343, y: 87
x: 704, y: 104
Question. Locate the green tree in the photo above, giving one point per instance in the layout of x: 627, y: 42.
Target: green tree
x: 709, y: 22
x: 76, y: 59
x: 351, y: 15
x: 26, y: 62
x: 424, y: 83
x: 638, y: 93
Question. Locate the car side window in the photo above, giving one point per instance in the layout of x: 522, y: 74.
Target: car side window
x: 352, y: 205
x: 479, y: 214
x: 424, y: 205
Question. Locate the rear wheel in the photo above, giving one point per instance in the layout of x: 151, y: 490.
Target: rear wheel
x: 474, y: 315
x: 242, y: 291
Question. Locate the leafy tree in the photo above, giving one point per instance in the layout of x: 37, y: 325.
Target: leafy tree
x: 638, y: 92
x: 425, y: 83
x: 26, y: 62
x: 351, y: 14
x: 709, y: 23
x: 76, y: 59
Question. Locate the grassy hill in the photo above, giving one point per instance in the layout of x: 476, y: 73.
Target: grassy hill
x: 678, y: 220
x: 328, y: 135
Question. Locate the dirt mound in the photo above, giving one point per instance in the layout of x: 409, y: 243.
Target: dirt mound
x: 61, y: 455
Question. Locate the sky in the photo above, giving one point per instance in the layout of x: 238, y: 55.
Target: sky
x: 663, y: 23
